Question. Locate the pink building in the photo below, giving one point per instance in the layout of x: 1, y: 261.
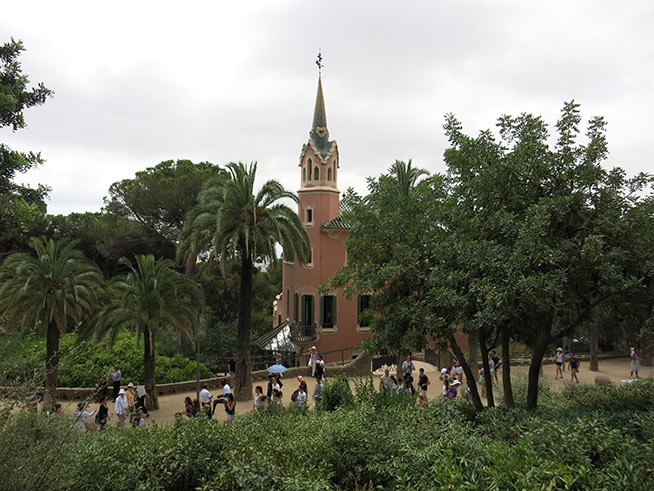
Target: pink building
x: 328, y: 321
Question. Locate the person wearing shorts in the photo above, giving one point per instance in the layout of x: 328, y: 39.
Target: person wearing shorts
x: 558, y: 359
x: 574, y: 368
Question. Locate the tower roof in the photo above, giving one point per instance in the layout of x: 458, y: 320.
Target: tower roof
x: 319, y: 132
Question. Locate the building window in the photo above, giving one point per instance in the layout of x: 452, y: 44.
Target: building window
x: 304, y: 174
x: 307, y: 310
x: 316, y: 173
x: 329, y: 174
x: 363, y: 304
x: 309, y: 215
x: 296, y: 301
x: 328, y: 311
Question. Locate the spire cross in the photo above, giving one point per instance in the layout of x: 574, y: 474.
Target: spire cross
x: 319, y: 63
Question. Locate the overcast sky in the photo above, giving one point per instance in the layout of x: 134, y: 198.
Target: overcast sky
x: 140, y: 82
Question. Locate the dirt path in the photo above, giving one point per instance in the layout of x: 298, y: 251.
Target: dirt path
x: 615, y: 369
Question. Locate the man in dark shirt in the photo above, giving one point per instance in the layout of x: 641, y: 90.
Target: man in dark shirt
x: 423, y: 381
x: 496, y: 360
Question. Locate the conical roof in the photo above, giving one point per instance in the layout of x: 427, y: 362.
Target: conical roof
x: 319, y: 132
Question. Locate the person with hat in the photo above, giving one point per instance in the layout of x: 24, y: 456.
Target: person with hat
x: 303, y: 383
x: 558, y: 359
x: 102, y: 417
x: 130, y: 393
x: 635, y: 362
x: 121, y: 408
x: 313, y: 360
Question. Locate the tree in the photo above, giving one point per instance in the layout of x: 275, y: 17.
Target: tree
x: 20, y: 205
x: 233, y: 222
x: 54, y: 290
x: 554, y: 234
x: 149, y: 298
x: 160, y: 197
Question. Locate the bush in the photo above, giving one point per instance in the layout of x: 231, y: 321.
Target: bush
x: 336, y: 393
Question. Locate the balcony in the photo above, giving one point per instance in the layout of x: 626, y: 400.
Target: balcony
x: 303, y: 335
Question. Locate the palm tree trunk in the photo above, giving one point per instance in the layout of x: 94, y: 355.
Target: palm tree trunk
x: 149, y: 364
x: 51, y: 366
x: 243, y: 386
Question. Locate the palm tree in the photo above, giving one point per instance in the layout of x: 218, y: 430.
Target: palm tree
x: 54, y: 289
x: 232, y: 222
x: 150, y: 297
x: 406, y: 176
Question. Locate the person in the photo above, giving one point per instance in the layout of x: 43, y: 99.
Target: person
x: 301, y: 396
x: 131, y: 399
x: 452, y: 390
x: 189, y: 410
x: 320, y: 367
x: 423, y: 381
x: 408, y: 367
x: 205, y: 400
x: 121, y: 408
x: 393, y: 383
x: 385, y: 379
x: 263, y: 401
x: 102, y: 417
x: 101, y: 387
x: 230, y: 406
x: 410, y: 389
x: 196, y: 407
x: 313, y: 359
x: 317, y: 390
x: 496, y: 366
x: 58, y: 410
x: 574, y: 368
x: 231, y: 369
x: 258, y: 392
x: 277, y: 394
x: 303, y: 383
x: 115, y: 378
x: 634, y: 356
x: 558, y: 359
x: 138, y: 421
x: 273, y: 385
x: 421, y: 400
x: 491, y: 366
x: 141, y: 395
x: 81, y: 417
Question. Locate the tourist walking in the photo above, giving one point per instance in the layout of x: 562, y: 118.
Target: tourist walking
x: 121, y: 408
x: 558, y: 359
x: 82, y: 416
x: 301, y: 397
x: 313, y: 360
x: 423, y: 381
x: 385, y: 380
x: 231, y: 369
x: 317, y: 390
x: 130, y: 393
x: 115, y: 377
x: 574, y: 368
x: 408, y: 367
x: 205, y: 400
x: 102, y: 417
x: 141, y: 395
x: 634, y: 356
x: 496, y: 366
x: 230, y: 406
x: 258, y: 392
x: 189, y: 410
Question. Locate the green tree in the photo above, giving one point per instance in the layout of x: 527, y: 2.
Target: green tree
x: 20, y: 206
x: 160, y: 197
x: 54, y: 290
x: 149, y: 298
x: 232, y: 221
x: 547, y: 234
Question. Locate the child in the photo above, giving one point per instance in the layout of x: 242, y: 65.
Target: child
x: 139, y: 421
x: 258, y: 392
x: 301, y: 397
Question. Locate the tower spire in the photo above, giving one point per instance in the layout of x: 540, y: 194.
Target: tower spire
x: 319, y: 132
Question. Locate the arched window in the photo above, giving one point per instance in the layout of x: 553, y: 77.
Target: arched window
x: 329, y: 174
x: 304, y: 174
x: 316, y: 173
x: 309, y: 170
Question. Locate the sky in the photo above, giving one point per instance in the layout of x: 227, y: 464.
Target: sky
x: 137, y: 83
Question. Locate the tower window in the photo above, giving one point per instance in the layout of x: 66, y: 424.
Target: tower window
x: 316, y: 173
x: 329, y: 174
x: 309, y: 215
x: 304, y: 174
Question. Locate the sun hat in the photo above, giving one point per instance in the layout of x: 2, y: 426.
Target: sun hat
x: 444, y: 370
x: 121, y: 391
x: 559, y: 349
x: 456, y: 382
x: 313, y: 347
x: 130, y: 385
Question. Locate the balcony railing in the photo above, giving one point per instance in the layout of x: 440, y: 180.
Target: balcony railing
x: 303, y: 334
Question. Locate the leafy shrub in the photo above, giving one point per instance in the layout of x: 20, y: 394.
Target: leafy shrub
x: 336, y: 393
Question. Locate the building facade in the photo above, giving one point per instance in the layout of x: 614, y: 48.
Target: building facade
x: 328, y: 320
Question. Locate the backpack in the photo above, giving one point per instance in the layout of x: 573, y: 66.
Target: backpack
x: 294, y: 396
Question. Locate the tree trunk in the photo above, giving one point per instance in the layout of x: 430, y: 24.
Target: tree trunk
x: 473, y: 351
x: 544, y: 326
x: 469, y: 372
x: 488, y: 378
x: 243, y: 386
x: 506, y: 368
x: 594, y: 347
x: 149, y: 363
x: 51, y: 366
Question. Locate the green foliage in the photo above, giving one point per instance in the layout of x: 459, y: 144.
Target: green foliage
x: 21, y: 357
x: 336, y: 393
x: 441, y: 446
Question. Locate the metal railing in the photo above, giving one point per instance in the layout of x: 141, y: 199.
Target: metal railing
x: 303, y: 334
